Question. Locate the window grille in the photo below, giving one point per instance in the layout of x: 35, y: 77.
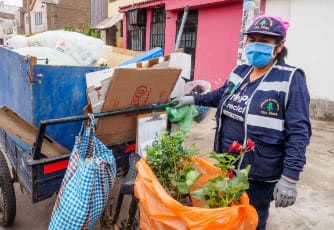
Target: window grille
x: 158, y: 28
x: 38, y: 18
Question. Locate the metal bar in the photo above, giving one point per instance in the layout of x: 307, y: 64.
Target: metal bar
x: 47, y: 160
x: 48, y: 179
x: 179, y: 35
x: 43, y: 124
x: 132, y: 213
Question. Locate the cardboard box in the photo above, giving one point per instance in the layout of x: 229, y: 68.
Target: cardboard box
x: 99, y: 81
x: 130, y: 88
x: 120, y: 55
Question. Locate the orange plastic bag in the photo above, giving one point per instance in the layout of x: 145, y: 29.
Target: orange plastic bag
x: 160, y: 211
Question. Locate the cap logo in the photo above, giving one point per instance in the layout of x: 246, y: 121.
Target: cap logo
x: 264, y: 23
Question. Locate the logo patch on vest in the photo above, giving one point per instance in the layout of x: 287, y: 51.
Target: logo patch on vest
x: 269, y: 107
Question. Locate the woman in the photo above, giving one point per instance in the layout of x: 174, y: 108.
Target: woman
x: 266, y: 101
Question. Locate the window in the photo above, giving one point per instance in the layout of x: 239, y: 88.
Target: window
x: 136, y: 29
x: 136, y: 37
x: 158, y: 28
x: 38, y: 18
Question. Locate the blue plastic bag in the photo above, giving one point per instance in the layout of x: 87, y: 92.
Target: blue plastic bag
x: 153, y: 53
x: 87, y: 184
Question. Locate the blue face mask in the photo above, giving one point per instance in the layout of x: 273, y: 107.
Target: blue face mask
x: 259, y: 54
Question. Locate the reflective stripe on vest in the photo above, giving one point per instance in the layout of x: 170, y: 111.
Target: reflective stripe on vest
x: 286, y: 68
x: 265, y: 122
x: 232, y: 115
x: 234, y: 78
x: 276, y: 85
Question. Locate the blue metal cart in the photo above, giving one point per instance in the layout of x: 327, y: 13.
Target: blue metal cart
x: 51, y: 98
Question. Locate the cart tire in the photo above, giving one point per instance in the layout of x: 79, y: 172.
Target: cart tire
x: 7, y: 195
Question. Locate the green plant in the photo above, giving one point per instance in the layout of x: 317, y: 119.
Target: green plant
x: 228, y: 187
x: 171, y: 162
x: 90, y: 32
x: 84, y: 29
x: 69, y: 28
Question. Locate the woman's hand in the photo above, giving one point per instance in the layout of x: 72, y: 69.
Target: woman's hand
x: 285, y: 192
x: 183, y: 101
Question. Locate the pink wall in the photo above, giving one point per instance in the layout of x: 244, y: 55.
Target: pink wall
x: 177, y: 4
x: 218, y: 34
x: 125, y: 31
x: 217, y: 42
x: 148, y: 28
x: 170, y: 31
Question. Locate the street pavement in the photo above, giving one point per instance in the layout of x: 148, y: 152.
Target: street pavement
x: 314, y: 208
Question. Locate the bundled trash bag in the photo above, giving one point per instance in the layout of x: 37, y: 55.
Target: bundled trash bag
x: 182, y: 116
x: 48, y: 56
x: 87, y: 184
x: 18, y: 41
x: 160, y: 211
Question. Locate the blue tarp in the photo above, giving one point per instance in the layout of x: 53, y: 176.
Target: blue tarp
x: 153, y: 53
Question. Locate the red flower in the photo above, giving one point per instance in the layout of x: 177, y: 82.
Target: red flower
x: 232, y: 146
x: 230, y: 174
x: 238, y: 148
x: 250, y: 144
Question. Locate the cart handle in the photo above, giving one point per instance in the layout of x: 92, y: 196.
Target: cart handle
x: 43, y: 124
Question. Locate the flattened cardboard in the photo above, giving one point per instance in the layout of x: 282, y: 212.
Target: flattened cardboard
x: 120, y: 55
x: 98, y: 81
x: 133, y: 88
x: 13, y: 123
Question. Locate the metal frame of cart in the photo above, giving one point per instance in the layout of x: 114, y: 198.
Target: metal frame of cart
x: 45, y: 173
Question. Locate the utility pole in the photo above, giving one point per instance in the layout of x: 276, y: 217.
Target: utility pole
x: 29, y: 17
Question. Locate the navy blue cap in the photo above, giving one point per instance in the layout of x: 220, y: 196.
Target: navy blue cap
x: 269, y: 25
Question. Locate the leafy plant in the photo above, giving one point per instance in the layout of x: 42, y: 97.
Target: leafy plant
x: 228, y: 187
x: 171, y: 162
x: 84, y: 29
x: 69, y: 28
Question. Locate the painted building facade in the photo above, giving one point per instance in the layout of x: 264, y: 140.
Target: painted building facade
x: 111, y: 27
x: 99, y: 11
x: 211, y: 33
x: 8, y: 25
x: 44, y: 15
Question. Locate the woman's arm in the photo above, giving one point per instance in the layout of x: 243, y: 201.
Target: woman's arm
x: 298, y: 126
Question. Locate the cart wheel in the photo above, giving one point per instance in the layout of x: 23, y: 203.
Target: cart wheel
x: 7, y: 195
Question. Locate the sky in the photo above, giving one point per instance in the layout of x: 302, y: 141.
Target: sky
x: 13, y: 2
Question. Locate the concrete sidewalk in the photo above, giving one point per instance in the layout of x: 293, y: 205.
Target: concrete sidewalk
x: 314, y: 208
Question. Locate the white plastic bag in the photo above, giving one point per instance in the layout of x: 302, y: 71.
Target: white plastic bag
x: 17, y: 41
x: 84, y: 49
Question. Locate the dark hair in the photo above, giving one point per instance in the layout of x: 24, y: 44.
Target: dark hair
x: 284, y: 53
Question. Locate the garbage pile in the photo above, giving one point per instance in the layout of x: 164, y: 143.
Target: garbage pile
x: 59, y: 47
